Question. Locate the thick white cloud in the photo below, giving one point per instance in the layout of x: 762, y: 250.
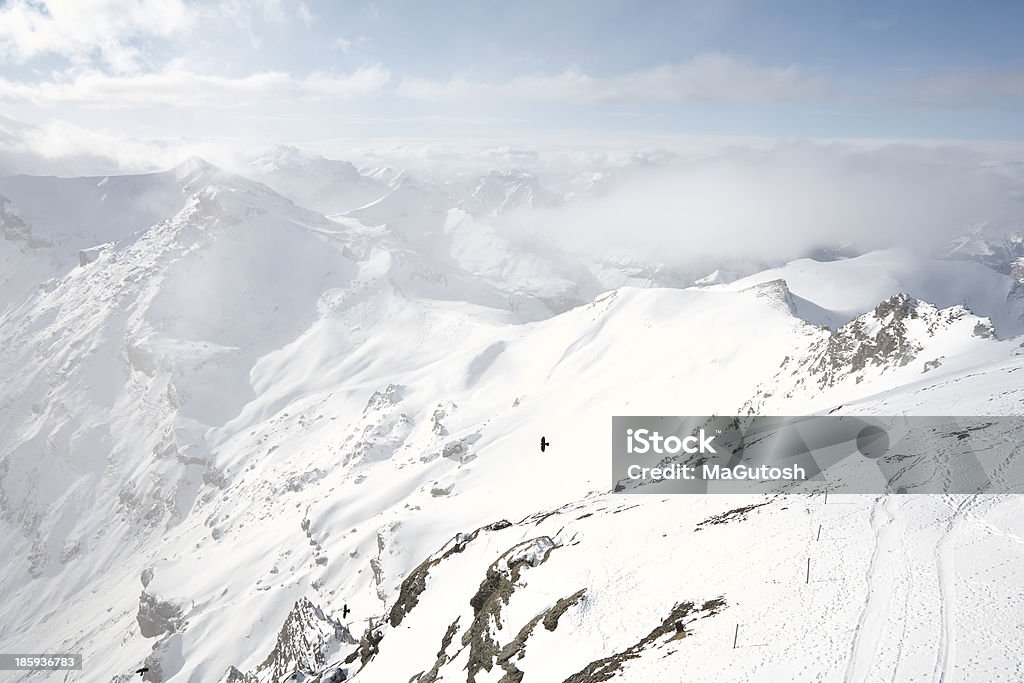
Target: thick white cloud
x: 760, y: 206
x: 180, y: 87
x: 705, y: 77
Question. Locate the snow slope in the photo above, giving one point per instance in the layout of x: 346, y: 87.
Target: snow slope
x: 240, y: 418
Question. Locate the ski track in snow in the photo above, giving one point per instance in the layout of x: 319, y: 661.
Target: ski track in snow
x: 944, y: 556
x: 873, y: 624
x: 945, y: 560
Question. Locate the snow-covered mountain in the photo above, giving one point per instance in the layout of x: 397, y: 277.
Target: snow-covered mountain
x: 998, y: 247
x: 497, y: 193
x: 325, y: 185
x: 245, y: 442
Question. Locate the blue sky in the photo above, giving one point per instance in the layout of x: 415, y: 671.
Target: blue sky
x: 291, y: 71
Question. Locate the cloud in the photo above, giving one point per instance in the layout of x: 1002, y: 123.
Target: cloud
x: 745, y: 207
x: 114, y: 34
x: 89, y: 29
x: 706, y: 77
x: 347, y: 45
x: 975, y: 84
x: 270, y: 11
x: 180, y: 87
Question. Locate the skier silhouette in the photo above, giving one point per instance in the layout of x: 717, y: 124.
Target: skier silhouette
x: 544, y: 443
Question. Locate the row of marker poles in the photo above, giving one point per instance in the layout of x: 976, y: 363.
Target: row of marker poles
x: 807, y: 580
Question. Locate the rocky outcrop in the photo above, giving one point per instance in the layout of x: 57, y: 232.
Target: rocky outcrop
x: 304, y: 642
x: 382, y: 399
x: 157, y: 617
x: 673, y: 627
x: 494, y: 593
x: 892, y: 335
x: 878, y: 338
x: 416, y: 582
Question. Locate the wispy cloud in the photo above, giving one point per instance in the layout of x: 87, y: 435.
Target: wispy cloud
x: 705, y: 77
x: 112, y: 34
x: 184, y: 88
x: 959, y: 85
x: 81, y: 30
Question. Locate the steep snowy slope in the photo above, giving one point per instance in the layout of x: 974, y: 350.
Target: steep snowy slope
x: 245, y: 442
x: 51, y: 224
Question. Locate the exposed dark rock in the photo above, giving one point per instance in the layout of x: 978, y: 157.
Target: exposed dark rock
x: 683, y: 614
x: 157, y: 617
x: 553, y: 614
x: 430, y: 676
x: 984, y: 330
x: 493, y: 594
x: 737, y: 515
x: 438, y: 491
x: 516, y: 648
x: 878, y: 339
x: 416, y: 582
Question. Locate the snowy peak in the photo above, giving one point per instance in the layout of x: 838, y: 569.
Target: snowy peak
x: 413, y: 207
x: 326, y: 185
x: 500, y: 192
x: 890, y: 336
x: 898, y: 340
x: 717, y: 277
x: 308, y: 639
x: 777, y: 293
x: 198, y: 177
x: 283, y: 160
x: 193, y: 167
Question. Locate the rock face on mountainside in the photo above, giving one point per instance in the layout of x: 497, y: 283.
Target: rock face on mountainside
x: 157, y: 617
x: 307, y: 640
x: 488, y: 637
x: 890, y: 336
x: 899, y: 331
